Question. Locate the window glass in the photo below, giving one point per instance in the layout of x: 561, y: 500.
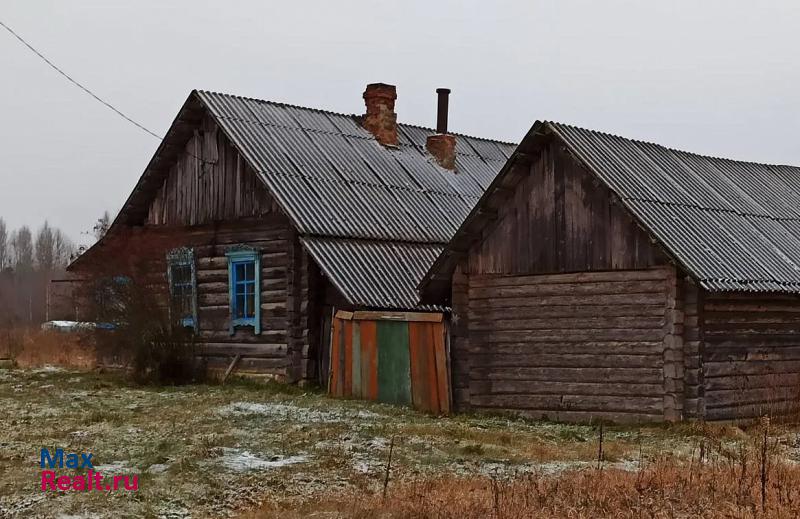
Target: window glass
x: 244, y: 289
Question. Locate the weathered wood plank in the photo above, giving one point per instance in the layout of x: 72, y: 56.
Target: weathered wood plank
x: 489, y: 360
x: 652, y: 375
x: 568, y: 348
x: 545, y: 387
x: 579, y: 323
x: 493, y: 280
x: 587, y: 289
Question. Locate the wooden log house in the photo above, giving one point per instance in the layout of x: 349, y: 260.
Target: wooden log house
x: 261, y: 220
x: 605, y: 278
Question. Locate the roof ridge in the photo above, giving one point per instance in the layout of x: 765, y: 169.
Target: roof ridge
x: 668, y: 148
x: 342, y: 114
x: 277, y: 103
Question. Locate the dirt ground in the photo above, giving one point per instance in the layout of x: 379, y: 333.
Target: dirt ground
x: 246, y: 448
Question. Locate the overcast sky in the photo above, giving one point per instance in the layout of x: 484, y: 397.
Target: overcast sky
x: 716, y: 77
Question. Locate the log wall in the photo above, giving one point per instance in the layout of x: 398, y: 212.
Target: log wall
x: 751, y: 355
x: 284, y: 348
x: 693, y: 384
x: 569, y: 346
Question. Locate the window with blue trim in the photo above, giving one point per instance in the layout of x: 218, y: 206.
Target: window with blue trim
x: 182, y: 284
x: 244, y: 279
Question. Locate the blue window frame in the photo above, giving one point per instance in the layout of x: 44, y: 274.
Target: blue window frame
x: 244, y: 280
x: 182, y: 287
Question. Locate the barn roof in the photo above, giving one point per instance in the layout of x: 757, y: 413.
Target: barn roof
x: 732, y: 225
x: 373, y: 217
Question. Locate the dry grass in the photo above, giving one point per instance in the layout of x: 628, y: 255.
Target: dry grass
x: 29, y: 347
x: 748, y: 478
x: 664, y: 489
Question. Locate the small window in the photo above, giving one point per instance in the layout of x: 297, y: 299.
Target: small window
x: 244, y: 267
x: 112, y: 297
x: 181, y: 274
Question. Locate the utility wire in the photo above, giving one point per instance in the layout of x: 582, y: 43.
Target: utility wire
x: 74, y: 82
x: 95, y: 96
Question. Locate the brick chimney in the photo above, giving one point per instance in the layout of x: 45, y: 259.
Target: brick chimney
x: 442, y: 145
x: 380, y: 119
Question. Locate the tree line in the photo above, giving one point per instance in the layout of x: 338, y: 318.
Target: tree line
x: 28, y: 261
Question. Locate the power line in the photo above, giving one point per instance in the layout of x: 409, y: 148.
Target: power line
x: 77, y: 84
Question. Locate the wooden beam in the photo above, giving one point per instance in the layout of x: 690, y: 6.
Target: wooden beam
x: 231, y: 366
x: 425, y: 317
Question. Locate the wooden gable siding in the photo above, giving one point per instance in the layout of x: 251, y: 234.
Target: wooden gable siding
x: 560, y: 218
x: 219, y: 187
x: 750, y: 355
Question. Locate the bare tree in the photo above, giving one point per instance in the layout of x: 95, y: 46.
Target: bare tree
x: 63, y: 249
x: 22, y: 250
x: 45, y: 248
x: 3, y: 245
x: 101, y: 226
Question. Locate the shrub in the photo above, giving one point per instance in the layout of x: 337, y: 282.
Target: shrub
x: 144, y: 340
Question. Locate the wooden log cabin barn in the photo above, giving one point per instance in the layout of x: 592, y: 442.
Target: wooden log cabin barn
x: 275, y: 225
x: 601, y: 277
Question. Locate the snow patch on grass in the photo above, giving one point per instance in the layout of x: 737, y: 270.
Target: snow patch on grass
x: 286, y: 412
x: 239, y: 460
x: 115, y: 467
x: 48, y: 368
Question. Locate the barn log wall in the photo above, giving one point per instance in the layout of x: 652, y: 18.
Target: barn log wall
x: 570, y: 346
x: 673, y: 348
x: 459, y: 342
x: 693, y: 384
x: 751, y: 355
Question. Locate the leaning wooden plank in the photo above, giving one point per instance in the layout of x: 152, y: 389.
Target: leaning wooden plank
x: 344, y: 315
x: 333, y: 382
x: 230, y: 368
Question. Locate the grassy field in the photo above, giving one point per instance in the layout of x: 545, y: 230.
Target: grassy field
x: 271, y: 450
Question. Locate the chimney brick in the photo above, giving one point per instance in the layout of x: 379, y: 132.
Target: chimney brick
x: 380, y: 119
x: 443, y: 148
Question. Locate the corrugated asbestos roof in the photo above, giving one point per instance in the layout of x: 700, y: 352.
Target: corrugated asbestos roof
x: 734, y: 225
x: 373, y: 217
x: 375, y: 273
